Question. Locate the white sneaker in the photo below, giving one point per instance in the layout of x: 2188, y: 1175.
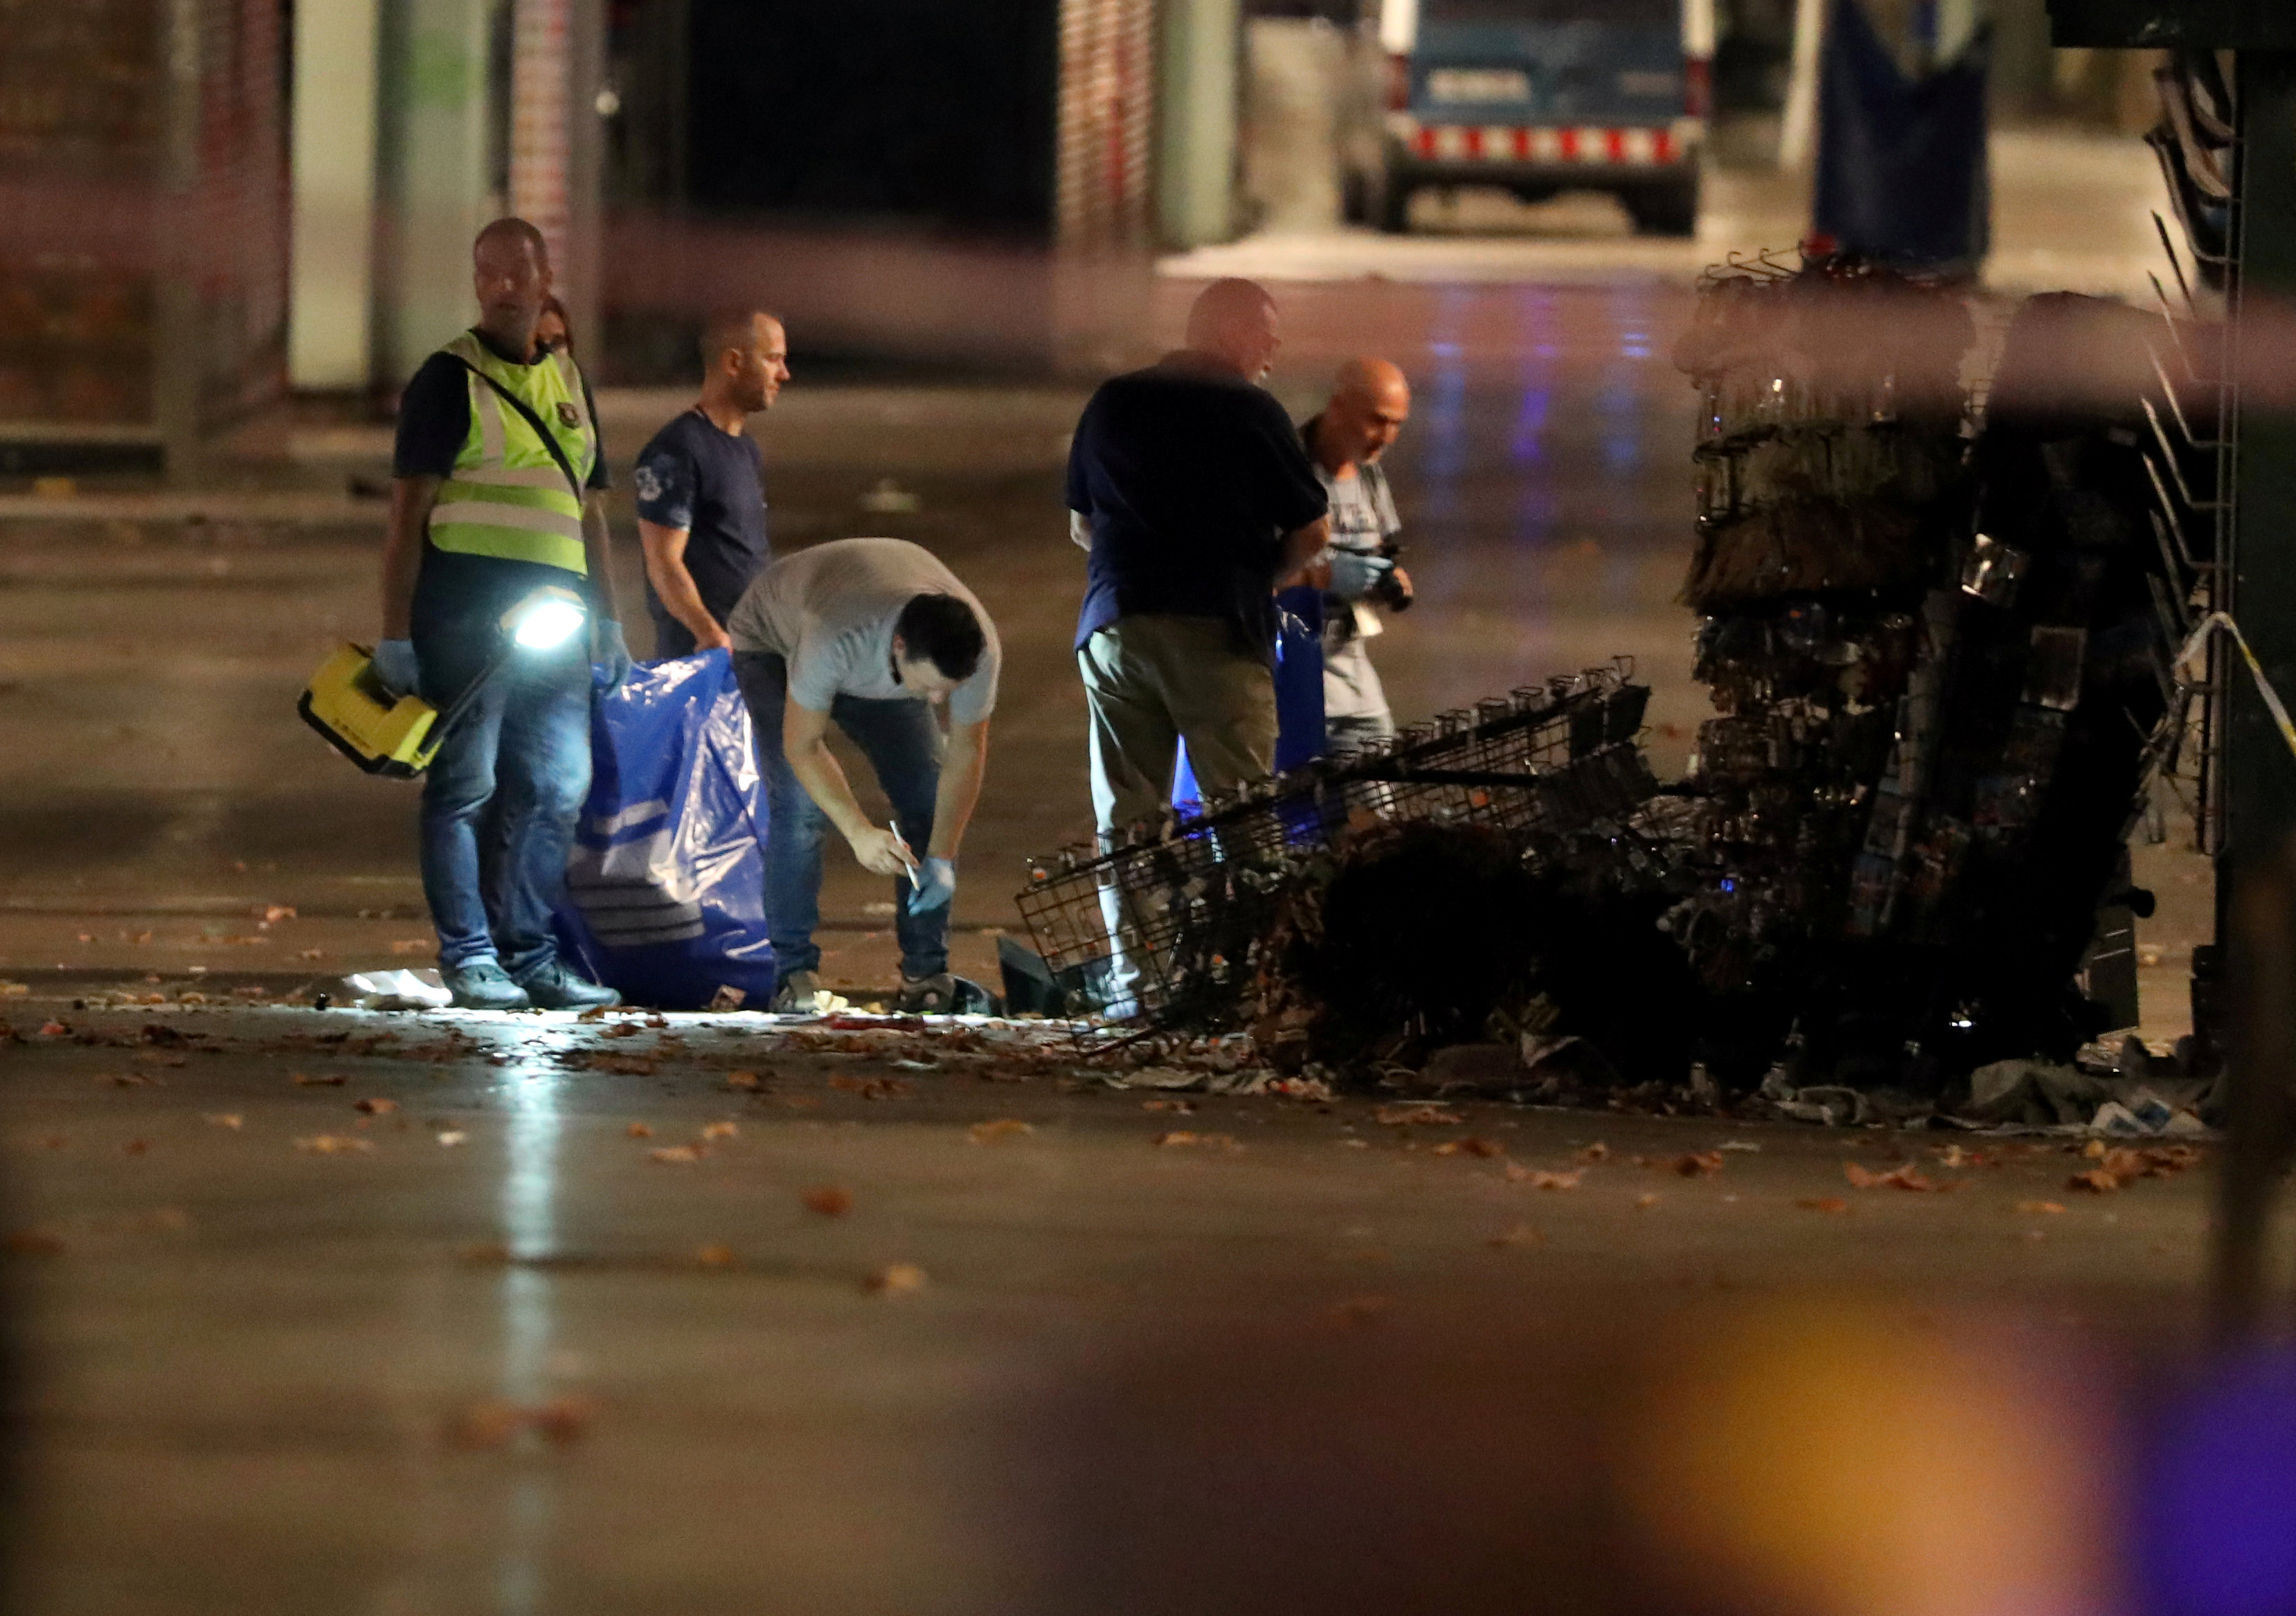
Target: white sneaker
x: 800, y: 993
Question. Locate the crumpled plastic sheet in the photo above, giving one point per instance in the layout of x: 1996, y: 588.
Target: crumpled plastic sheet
x: 2015, y: 1096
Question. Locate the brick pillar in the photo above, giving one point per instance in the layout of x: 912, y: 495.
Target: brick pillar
x: 541, y: 97
x: 1106, y: 104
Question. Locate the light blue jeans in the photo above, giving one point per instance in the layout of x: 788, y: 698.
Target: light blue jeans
x: 903, y: 742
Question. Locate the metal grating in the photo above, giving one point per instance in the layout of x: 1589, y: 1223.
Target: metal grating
x: 1167, y: 929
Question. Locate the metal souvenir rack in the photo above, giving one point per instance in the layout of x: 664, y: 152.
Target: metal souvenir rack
x: 1184, y: 905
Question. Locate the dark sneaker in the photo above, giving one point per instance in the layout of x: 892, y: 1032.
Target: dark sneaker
x: 800, y: 993
x: 555, y: 987
x: 482, y: 984
x: 926, y: 995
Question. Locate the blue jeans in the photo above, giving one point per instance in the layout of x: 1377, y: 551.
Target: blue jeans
x: 501, y: 799
x: 902, y: 741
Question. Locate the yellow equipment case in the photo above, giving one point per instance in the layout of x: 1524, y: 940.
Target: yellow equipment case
x: 383, y: 733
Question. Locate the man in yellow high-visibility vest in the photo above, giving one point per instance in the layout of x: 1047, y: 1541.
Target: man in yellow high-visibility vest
x: 494, y: 494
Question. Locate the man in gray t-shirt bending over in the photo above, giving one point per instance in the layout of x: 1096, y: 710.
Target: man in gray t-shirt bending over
x: 869, y: 634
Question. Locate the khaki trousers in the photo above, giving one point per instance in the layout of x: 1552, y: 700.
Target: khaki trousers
x: 1154, y: 681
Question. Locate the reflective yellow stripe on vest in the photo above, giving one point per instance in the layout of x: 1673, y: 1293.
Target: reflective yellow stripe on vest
x: 507, y: 497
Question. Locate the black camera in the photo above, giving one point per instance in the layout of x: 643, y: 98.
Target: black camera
x: 1392, y: 590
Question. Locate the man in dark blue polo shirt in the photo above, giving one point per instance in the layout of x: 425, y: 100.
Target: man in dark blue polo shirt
x: 1190, y: 488
x: 700, y: 487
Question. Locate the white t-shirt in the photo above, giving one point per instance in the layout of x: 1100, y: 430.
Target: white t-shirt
x: 830, y: 611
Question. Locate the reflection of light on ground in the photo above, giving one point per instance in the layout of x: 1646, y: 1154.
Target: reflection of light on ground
x: 529, y: 1227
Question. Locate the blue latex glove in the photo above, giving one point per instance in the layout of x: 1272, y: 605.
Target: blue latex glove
x: 934, y: 884
x: 613, y: 654
x: 1355, y: 573
x: 396, y: 668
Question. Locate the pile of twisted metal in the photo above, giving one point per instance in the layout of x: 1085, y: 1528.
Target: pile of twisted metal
x: 1941, y: 626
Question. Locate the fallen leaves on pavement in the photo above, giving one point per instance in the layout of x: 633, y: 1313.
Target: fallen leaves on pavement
x: 1823, y: 1204
x: 1358, y: 1311
x: 334, y: 1079
x: 639, y: 1130
x: 1182, y: 1137
x: 874, y: 1088
x: 828, y: 1200
x: 676, y: 1155
x: 715, y: 1256
x: 746, y: 1082
x: 1591, y: 1154
x: 1698, y: 1164
x: 1001, y: 1128
x: 334, y: 1144
x: 2040, y: 1206
x: 721, y: 1130
x: 231, y: 1119
x: 1472, y: 1145
x: 452, y: 1136
x: 1907, y: 1177
x: 2118, y: 1165
x: 493, y: 1422
x: 895, y: 1279
x: 1539, y: 1178
x: 375, y: 1108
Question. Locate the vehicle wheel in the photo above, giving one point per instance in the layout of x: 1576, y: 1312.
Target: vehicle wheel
x: 1668, y: 210
x: 1394, y: 209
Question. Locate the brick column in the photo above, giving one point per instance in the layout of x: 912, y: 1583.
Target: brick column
x: 541, y: 113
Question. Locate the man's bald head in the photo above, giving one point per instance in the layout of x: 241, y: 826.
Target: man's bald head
x: 510, y: 272
x: 1371, y: 399
x: 1234, y: 321
x: 1376, y: 379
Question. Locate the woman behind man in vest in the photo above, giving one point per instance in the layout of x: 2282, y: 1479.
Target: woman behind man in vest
x: 494, y: 494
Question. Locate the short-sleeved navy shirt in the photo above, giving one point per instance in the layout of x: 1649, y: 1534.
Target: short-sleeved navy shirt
x: 1190, y: 477
x: 712, y: 484
x: 455, y: 592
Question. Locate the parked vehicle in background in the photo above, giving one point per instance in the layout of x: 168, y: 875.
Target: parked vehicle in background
x: 1540, y: 97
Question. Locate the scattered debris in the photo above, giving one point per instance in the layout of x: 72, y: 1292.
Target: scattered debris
x: 1698, y: 1164
x: 451, y: 1137
x: 376, y: 1107
x: 828, y: 1200
x: 1823, y: 1204
x: 1358, y: 1311
x: 1538, y: 1178
x: 334, y: 1144
x: 497, y: 1422
x: 231, y: 1119
x: 998, y: 1130
x: 676, y: 1155
x: 895, y: 1279
x: 1907, y: 1177
x: 1416, y: 1116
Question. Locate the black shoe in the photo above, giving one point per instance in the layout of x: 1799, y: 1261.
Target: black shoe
x: 934, y: 995
x: 482, y: 984
x: 555, y: 987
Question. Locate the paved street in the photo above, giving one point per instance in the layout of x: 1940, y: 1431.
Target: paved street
x: 348, y: 1312
x: 480, y: 1346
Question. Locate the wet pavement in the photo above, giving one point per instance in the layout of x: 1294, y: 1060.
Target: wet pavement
x: 539, y: 1368
x: 343, y: 1311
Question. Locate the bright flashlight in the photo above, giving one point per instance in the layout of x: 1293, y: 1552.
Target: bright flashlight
x: 546, y: 619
